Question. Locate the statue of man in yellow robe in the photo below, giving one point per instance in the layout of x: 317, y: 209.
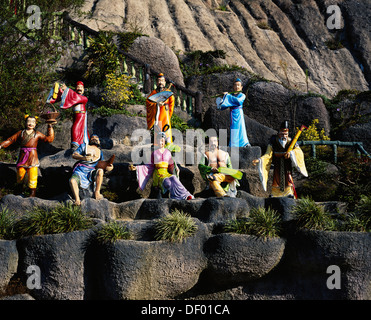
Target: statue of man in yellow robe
x: 283, y: 160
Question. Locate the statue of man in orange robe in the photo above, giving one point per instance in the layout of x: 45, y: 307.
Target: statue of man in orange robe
x: 159, y: 114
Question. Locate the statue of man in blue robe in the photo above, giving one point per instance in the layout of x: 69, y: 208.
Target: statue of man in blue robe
x: 234, y: 101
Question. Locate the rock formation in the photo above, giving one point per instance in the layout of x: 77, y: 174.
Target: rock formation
x: 278, y: 40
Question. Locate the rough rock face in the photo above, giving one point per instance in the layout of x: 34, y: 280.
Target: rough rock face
x: 211, y: 264
x: 8, y: 262
x: 156, y: 53
x: 278, y: 39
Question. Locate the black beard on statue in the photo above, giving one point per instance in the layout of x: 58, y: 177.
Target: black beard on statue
x: 95, y: 144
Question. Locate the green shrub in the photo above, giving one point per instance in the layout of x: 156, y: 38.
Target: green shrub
x: 363, y: 208
x: 63, y: 218
x: 352, y: 222
x: 102, y: 58
x: 70, y: 218
x: 321, y: 184
x: 309, y: 215
x: 126, y: 39
x: 27, y: 66
x: 178, y: 123
x: 36, y: 221
x: 113, y: 231
x: 7, y: 219
x: 265, y: 223
x: 334, y: 44
x: 175, y: 226
x: 240, y: 226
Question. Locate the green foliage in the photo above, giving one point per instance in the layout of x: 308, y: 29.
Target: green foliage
x: 313, y: 133
x: 178, y: 123
x: 136, y: 95
x: 8, y: 155
x: 7, y: 219
x: 108, y: 112
x: 126, y: 39
x: 200, y: 63
x: 63, y: 218
x: 354, y: 178
x: 175, y: 226
x: 117, y: 90
x: 321, y: 184
x: 223, y: 8
x: 27, y: 59
x: 334, y: 44
x: 240, y: 226
x: 113, y: 231
x: 309, y: 215
x: 70, y: 218
x: 265, y: 223
x: 353, y: 222
x: 364, y: 206
x: 363, y: 209
x: 102, y: 58
x: 346, y: 109
x: 104, y: 68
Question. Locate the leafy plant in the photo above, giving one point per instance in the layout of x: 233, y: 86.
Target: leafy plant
x: 113, y: 231
x: 284, y: 67
x: 363, y: 208
x: 7, y: 219
x: 240, y: 226
x: 102, y: 58
x: 175, y: 226
x: 262, y: 24
x: 334, y: 44
x: 347, y: 109
x: 70, y: 218
x: 313, y: 133
x: 354, y: 180
x: 117, y: 90
x: 353, y: 222
x: 36, y: 221
x: 126, y: 39
x: 200, y: 62
x: 309, y: 215
x: 178, y: 123
x: 27, y: 60
x: 63, y: 218
x: 265, y: 223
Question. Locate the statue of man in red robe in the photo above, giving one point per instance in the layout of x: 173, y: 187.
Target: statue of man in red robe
x: 77, y: 101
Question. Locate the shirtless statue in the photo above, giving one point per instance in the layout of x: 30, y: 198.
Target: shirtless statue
x: 216, y: 167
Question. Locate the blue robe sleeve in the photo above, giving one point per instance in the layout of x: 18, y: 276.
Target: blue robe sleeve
x: 230, y: 100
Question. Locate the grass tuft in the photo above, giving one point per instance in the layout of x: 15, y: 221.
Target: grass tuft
x: 265, y: 223
x: 310, y: 215
x: 7, y: 219
x: 61, y: 219
x: 175, y: 226
x: 113, y: 231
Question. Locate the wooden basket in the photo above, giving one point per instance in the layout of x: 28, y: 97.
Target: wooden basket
x: 50, y: 115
